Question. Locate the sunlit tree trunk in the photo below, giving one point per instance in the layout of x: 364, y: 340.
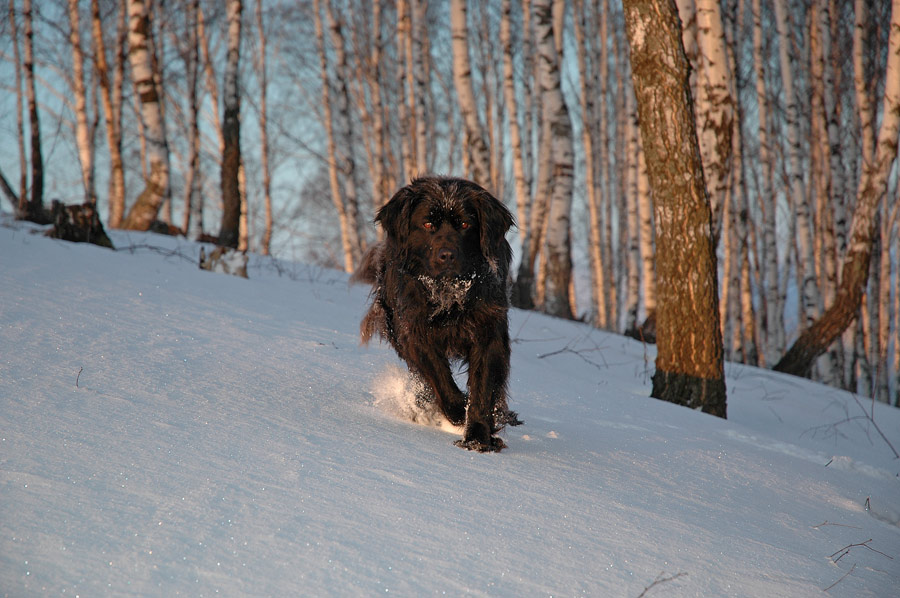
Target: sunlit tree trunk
x: 881, y: 320
x: 111, y: 98
x: 192, y: 217
x: 689, y: 363
x: 475, y: 145
x: 587, y: 93
x: 558, y: 253
x: 229, y: 231
x: 523, y: 194
x: 156, y: 189
x: 84, y: 136
x: 608, y: 288
x: 261, y: 70
x: 32, y: 208
x: 418, y: 82
x: 349, y: 239
x: 380, y: 190
x: 632, y: 245
x: 20, y: 108
x: 647, y: 249
x: 714, y: 107
x: 344, y: 124
x: 860, y: 81
x: 896, y: 311
x: 810, y: 299
x: 814, y: 341
x: 772, y: 296
x: 405, y: 113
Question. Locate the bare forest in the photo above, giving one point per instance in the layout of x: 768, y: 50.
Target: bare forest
x: 280, y: 127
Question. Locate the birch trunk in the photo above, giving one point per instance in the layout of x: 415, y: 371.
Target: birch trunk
x: 523, y: 195
x: 558, y: 256
x: 860, y: 81
x: 475, y: 144
x: 156, y: 189
x: 632, y: 248
x: 774, y: 322
x: 32, y: 208
x: 689, y: 364
x: 418, y: 82
x: 111, y: 98
x: 885, y: 317
x: 406, y: 115
x: 814, y: 341
x: 348, y: 227
x: 20, y: 107
x: 714, y: 107
x: 837, y: 177
x: 192, y: 218
x: 592, y: 189
x: 261, y: 70
x: 810, y: 300
x: 380, y: 191
x: 608, y: 288
x: 896, y: 311
x: 647, y: 250
x: 344, y: 154
x: 212, y: 87
x: 230, y: 229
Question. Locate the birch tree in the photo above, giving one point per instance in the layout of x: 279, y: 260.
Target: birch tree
x: 689, y: 363
x: 344, y: 152
x: 144, y: 210
x: 558, y: 256
x: 522, y: 191
x: 587, y: 93
x: 475, y: 147
x: 349, y: 233
x: 418, y: 83
x: 261, y: 70
x: 714, y: 107
x: 111, y: 100
x: 810, y: 298
x: 84, y: 135
x: 229, y: 232
x: 20, y: 124
x: 815, y: 339
x: 192, y: 218
x: 772, y: 297
x: 32, y: 208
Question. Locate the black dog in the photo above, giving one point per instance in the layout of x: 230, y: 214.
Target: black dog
x: 439, y: 294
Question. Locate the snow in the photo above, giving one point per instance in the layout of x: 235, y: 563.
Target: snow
x: 167, y: 431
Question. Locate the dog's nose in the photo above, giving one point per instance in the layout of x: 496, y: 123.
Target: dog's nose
x: 446, y: 256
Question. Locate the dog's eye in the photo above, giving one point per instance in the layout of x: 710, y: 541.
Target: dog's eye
x: 464, y: 225
x: 428, y: 226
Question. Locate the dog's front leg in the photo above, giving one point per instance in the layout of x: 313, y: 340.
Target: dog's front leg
x: 434, y: 371
x: 488, y: 374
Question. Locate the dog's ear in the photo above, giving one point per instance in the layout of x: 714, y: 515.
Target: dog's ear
x: 395, y: 215
x: 493, y: 222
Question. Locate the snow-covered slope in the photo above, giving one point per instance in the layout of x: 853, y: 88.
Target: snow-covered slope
x: 166, y: 431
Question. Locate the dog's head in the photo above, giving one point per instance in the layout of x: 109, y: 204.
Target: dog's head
x: 450, y: 226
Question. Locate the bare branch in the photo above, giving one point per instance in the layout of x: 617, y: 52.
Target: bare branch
x: 661, y: 579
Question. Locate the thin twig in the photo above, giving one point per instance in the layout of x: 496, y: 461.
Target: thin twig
x: 841, y: 578
x: 826, y: 522
x: 81, y: 369
x: 846, y: 550
x: 871, y: 418
x: 660, y: 579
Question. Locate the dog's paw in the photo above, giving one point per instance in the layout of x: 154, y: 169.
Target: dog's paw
x: 495, y: 445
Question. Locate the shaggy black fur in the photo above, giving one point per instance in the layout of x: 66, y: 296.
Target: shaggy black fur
x: 439, y: 295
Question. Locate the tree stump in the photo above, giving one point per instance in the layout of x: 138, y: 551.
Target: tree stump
x: 77, y: 223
